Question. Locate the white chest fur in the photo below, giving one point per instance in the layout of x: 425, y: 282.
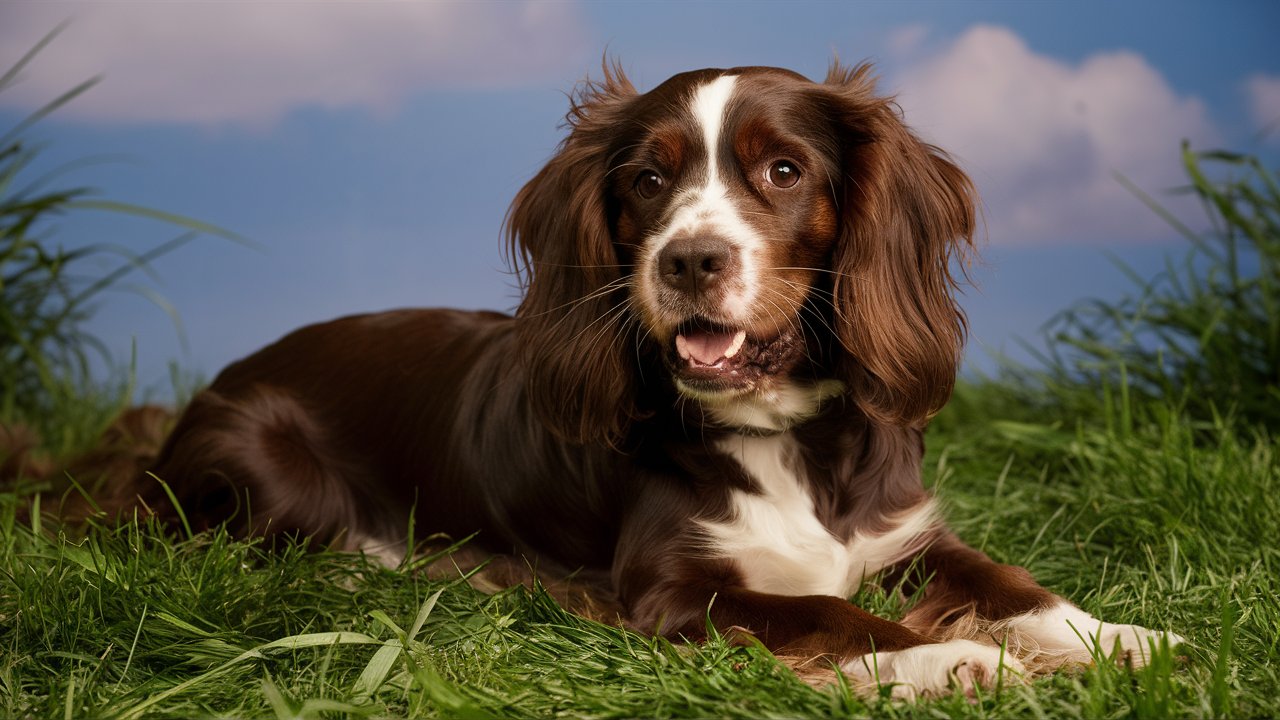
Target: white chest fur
x: 778, y: 542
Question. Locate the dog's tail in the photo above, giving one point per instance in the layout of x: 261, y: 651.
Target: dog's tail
x: 105, y: 480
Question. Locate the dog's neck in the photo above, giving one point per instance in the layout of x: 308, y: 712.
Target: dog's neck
x: 773, y: 411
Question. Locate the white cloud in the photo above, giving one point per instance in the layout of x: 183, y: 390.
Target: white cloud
x: 206, y: 62
x: 1263, y: 92
x: 1043, y: 139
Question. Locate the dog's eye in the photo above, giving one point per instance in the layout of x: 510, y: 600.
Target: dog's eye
x: 649, y: 184
x: 783, y: 174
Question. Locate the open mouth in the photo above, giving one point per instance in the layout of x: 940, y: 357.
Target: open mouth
x: 709, y: 348
x: 708, y: 357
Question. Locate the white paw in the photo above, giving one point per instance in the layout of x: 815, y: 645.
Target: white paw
x: 1135, y: 642
x: 934, y: 669
x: 1074, y: 636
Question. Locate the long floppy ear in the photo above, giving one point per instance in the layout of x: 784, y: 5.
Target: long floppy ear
x: 573, y: 319
x: 906, y: 211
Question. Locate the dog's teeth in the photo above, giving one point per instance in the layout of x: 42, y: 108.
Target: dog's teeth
x: 738, y: 338
x: 682, y: 346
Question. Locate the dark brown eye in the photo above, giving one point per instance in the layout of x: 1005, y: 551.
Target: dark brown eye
x: 783, y: 174
x: 649, y: 184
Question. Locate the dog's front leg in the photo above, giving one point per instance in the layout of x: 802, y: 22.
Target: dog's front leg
x: 874, y: 651
x: 967, y: 593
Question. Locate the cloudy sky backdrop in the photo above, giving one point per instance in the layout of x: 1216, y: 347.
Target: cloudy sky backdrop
x: 370, y: 149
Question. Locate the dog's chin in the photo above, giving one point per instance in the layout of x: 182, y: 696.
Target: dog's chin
x: 711, y: 362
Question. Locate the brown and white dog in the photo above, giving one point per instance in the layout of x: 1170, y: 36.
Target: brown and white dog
x: 738, y: 317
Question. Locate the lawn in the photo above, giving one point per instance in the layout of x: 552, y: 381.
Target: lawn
x: 1152, y: 520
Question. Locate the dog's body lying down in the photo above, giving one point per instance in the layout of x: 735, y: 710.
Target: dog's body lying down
x: 738, y: 318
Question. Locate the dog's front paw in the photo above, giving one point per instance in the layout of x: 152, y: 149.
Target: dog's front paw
x: 933, y: 670
x: 1065, y: 634
x: 1131, y: 644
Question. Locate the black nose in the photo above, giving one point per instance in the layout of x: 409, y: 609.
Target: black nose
x: 695, y: 264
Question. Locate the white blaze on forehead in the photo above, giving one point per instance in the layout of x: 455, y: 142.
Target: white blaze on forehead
x: 709, y: 105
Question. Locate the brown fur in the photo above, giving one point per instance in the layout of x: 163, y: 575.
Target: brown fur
x: 557, y: 435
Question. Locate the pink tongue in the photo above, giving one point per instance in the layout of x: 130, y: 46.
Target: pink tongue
x: 707, y: 347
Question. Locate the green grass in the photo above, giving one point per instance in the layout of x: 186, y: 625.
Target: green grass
x: 1206, y: 330
x: 1142, y: 522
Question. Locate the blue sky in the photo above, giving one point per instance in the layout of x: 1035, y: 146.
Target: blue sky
x: 370, y: 149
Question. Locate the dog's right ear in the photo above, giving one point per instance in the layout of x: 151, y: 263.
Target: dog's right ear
x: 571, y: 322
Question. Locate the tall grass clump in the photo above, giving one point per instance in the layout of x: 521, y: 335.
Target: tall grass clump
x: 48, y: 290
x: 1205, y: 332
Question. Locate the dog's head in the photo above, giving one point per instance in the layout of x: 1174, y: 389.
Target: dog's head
x: 772, y: 240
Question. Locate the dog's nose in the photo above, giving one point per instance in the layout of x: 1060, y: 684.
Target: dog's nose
x: 695, y: 265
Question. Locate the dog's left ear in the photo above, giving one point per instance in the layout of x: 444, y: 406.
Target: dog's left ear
x: 906, y: 212
x: 572, y: 322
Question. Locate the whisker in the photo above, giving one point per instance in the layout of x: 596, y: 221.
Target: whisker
x: 826, y: 295
x: 543, y: 263
x: 816, y: 270
x: 615, y: 284
x: 790, y: 318
x: 611, y: 170
x: 823, y: 320
x: 624, y: 322
x: 606, y: 315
